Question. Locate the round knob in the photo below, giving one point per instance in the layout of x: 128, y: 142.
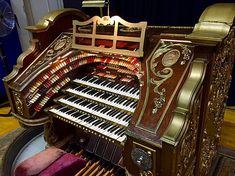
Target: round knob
x: 141, y: 158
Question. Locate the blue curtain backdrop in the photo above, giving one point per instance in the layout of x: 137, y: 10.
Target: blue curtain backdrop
x: 11, y: 49
x: 155, y: 12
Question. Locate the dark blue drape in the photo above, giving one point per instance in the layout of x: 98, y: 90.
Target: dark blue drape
x: 11, y: 49
x: 168, y: 12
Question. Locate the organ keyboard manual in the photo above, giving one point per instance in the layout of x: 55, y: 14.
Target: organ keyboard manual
x: 129, y: 98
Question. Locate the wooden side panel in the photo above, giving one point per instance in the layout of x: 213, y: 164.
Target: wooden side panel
x: 166, y: 70
x: 215, y: 100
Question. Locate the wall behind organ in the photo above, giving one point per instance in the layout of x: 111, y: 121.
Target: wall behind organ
x: 28, y: 12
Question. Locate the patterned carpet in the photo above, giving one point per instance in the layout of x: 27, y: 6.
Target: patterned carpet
x: 5, y: 141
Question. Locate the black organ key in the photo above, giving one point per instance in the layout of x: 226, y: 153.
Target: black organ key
x: 58, y: 107
x: 112, y: 97
x: 64, y: 109
x: 67, y: 97
x: 91, y: 105
x: 111, y: 129
x: 134, y: 104
x: 95, y: 107
x: 85, y: 90
x: 78, y: 101
x: 126, y: 89
x: 83, y: 117
x: 127, y: 118
x: 97, y: 122
x: 72, y: 98
x: 84, y: 103
x: 70, y: 111
x: 128, y: 102
x: 104, y: 83
x: 118, y: 87
x: 121, y: 115
x: 123, y: 88
x: 79, y: 88
x: 100, y: 93
x: 110, y: 112
x: 90, y: 119
x: 104, y: 110
x: 84, y: 78
x: 104, y: 126
x: 98, y: 81
x: 111, y: 85
x: 134, y: 90
x: 77, y: 114
x: 118, y: 131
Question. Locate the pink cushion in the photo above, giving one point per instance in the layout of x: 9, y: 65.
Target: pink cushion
x: 66, y: 165
x: 37, y: 163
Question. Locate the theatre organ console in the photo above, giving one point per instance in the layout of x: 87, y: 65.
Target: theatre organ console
x: 129, y: 98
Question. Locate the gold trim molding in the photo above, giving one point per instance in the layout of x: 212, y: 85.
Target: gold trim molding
x: 214, y: 24
x: 45, y: 22
x: 31, y: 122
x: 185, y: 100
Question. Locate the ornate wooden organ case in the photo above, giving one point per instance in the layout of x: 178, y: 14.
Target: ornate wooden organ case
x: 146, y: 100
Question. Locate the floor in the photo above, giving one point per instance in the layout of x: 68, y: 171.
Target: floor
x: 228, y: 130
x: 7, y: 124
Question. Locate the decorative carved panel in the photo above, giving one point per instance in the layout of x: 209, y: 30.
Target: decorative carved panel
x: 170, y: 57
x: 18, y: 103
x: 220, y: 82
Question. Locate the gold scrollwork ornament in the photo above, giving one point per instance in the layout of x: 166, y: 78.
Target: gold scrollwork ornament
x: 164, y: 74
x: 170, y: 58
x: 18, y: 103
